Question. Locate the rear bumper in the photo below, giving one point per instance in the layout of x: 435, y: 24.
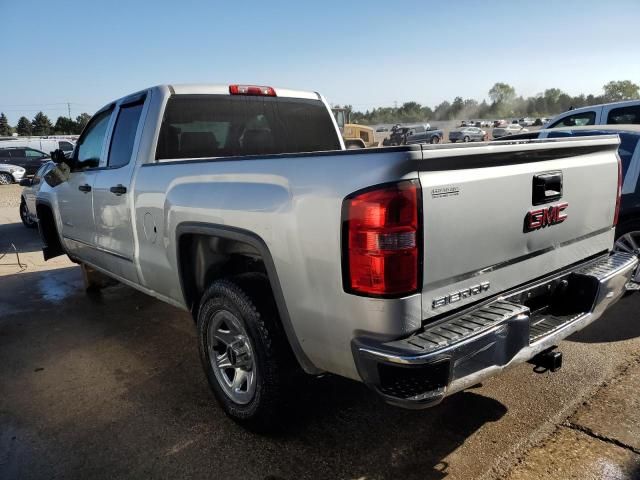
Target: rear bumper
x: 459, y: 351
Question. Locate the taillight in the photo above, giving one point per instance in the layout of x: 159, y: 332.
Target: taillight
x: 382, y: 253
x: 619, y: 194
x: 254, y: 90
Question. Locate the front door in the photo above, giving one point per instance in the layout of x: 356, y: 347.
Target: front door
x: 112, y: 197
x: 75, y: 196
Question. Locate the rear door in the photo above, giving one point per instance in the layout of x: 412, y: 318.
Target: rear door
x: 75, y: 196
x: 112, y: 199
x: 493, y: 220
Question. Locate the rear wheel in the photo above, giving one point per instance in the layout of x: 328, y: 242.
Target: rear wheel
x: 243, y: 350
x: 628, y: 240
x: 435, y: 139
x: 24, y: 215
x: 466, y: 139
x: 5, y: 179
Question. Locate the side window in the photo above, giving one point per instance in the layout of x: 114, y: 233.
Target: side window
x: 30, y: 152
x: 576, y: 120
x: 624, y: 115
x: 124, y: 134
x: 87, y: 155
x: 65, y: 146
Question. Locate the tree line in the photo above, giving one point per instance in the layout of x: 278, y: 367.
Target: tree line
x: 40, y: 125
x: 503, y: 103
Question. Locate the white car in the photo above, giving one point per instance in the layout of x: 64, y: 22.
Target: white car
x: 511, y: 129
x: 10, y: 173
x: 28, y: 197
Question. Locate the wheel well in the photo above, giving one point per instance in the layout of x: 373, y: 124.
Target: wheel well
x: 204, y: 258
x: 51, y: 246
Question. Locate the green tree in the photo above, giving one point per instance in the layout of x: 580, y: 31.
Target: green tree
x: 5, y: 129
x: 621, y: 90
x: 502, y: 93
x: 23, y: 127
x: 81, y: 121
x: 65, y: 125
x: 41, y: 125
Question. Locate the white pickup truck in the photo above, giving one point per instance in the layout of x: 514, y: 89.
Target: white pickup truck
x: 418, y: 270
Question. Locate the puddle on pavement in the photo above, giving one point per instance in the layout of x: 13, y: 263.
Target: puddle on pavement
x: 54, y: 290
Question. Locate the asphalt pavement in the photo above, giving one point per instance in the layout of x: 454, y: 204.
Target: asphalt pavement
x: 109, y: 385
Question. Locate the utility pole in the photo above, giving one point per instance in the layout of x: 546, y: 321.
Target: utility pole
x: 69, y: 110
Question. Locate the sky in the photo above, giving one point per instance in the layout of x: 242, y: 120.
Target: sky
x: 367, y: 54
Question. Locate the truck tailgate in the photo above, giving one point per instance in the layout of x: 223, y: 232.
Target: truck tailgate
x: 492, y: 219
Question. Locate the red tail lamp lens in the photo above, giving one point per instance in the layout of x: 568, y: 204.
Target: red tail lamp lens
x: 382, y: 240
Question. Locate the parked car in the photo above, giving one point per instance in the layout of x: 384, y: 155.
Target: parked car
x: 238, y: 204
x: 413, y: 134
x: 511, y: 129
x: 628, y: 228
x: 28, y: 158
x: 32, y: 186
x: 616, y: 113
x: 10, y: 173
x: 525, y: 122
x: 467, y: 134
x: 382, y: 129
x: 500, y: 123
x: 43, y: 144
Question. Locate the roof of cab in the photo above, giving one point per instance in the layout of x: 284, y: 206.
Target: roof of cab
x: 219, y: 89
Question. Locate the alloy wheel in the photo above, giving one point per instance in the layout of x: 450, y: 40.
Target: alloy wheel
x: 232, y: 357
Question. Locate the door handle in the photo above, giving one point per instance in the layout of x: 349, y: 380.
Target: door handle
x: 118, y: 189
x: 85, y: 188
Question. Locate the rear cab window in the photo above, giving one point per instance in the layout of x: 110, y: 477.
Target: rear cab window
x: 197, y: 126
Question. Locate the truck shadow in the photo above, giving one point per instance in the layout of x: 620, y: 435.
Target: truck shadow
x: 110, y: 385
x: 617, y: 324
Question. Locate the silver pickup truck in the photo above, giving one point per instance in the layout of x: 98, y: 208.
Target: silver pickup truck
x: 418, y: 270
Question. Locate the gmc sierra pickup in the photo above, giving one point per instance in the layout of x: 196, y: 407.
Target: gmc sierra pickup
x: 418, y: 270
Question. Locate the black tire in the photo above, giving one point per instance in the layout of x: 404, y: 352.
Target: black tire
x: 453, y: 141
x: 249, y: 299
x: 6, y: 178
x: 435, y: 139
x: 466, y: 139
x: 26, y: 221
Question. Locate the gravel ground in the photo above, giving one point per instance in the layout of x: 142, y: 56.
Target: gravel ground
x: 10, y: 195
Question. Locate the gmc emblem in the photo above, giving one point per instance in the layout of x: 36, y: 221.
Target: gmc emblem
x: 545, y: 217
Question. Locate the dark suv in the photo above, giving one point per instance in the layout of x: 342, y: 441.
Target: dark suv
x: 28, y: 158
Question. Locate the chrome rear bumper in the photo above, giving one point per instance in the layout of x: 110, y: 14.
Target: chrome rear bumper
x: 461, y: 350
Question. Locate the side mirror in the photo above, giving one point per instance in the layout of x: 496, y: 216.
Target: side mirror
x: 26, y: 182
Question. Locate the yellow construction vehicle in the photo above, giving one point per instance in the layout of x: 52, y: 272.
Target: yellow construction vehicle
x: 354, y: 135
